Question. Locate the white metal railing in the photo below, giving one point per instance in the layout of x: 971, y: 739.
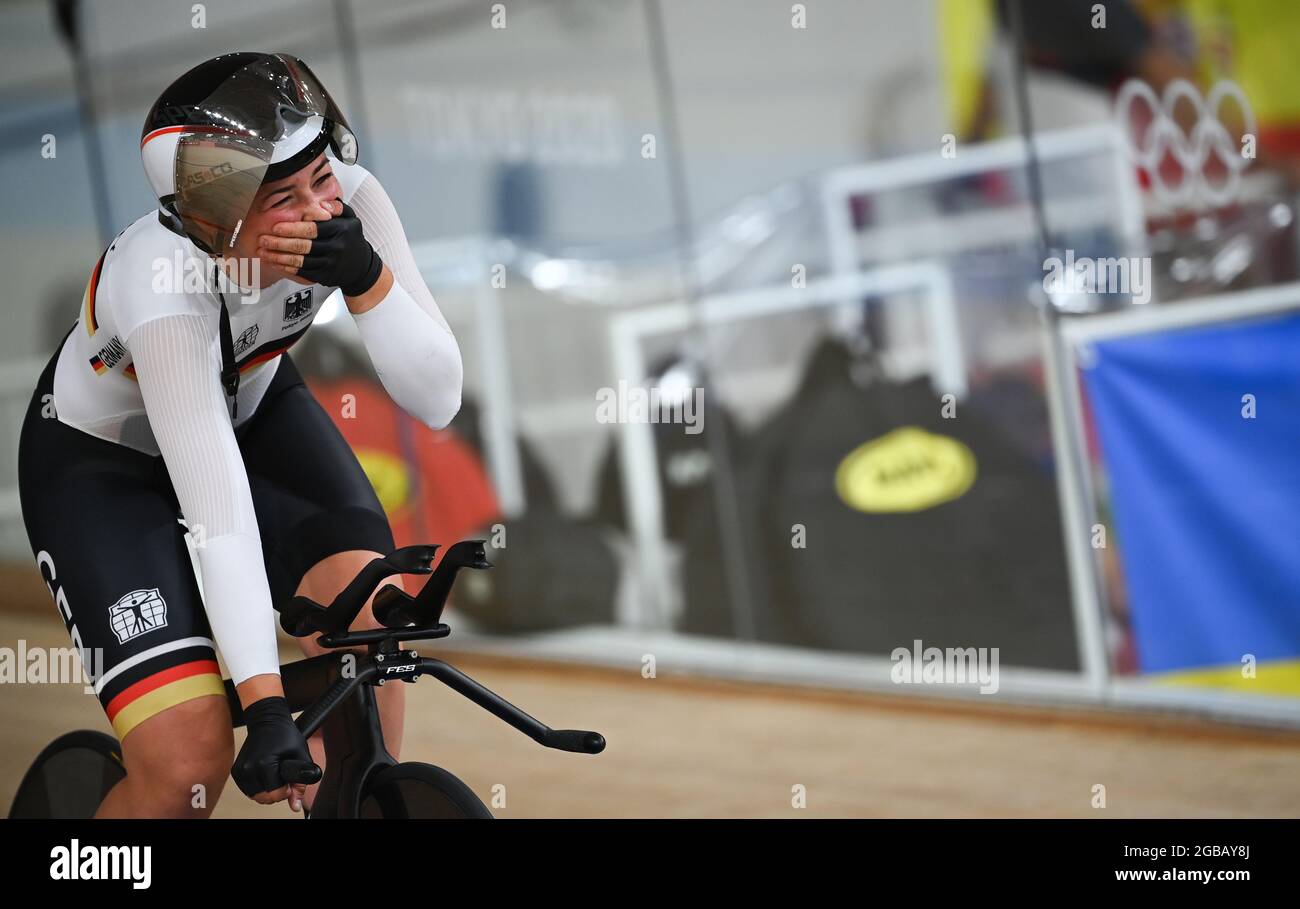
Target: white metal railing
x: 638, y: 459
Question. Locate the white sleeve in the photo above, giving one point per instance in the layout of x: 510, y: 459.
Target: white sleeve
x: 406, y: 336
x: 177, y: 361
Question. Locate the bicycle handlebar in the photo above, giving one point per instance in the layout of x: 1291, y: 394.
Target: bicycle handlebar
x: 576, y: 740
x: 404, y: 618
x: 300, y: 772
x: 394, y: 608
x: 579, y: 741
x: 302, y: 616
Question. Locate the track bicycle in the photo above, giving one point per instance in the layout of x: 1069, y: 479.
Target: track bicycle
x: 335, y: 694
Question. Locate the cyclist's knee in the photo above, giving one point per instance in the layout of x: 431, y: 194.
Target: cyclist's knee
x: 178, y: 760
x: 328, y: 577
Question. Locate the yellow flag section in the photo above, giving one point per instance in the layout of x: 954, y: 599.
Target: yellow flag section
x: 1252, y: 43
x: 908, y: 469
x: 1275, y: 677
x: 389, y: 475
x: 965, y: 42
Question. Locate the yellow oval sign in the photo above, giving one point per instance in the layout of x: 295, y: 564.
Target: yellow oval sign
x: 908, y: 469
x: 388, y: 475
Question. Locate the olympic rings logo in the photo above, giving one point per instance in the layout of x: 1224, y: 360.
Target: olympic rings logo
x: 1191, y: 152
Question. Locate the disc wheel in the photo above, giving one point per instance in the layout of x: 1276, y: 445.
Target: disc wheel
x: 419, y: 791
x: 70, y: 778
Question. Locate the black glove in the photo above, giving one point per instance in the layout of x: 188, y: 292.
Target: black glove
x: 275, y: 752
x: 341, y: 256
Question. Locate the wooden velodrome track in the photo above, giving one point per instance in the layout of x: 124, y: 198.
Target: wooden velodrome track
x: 685, y: 747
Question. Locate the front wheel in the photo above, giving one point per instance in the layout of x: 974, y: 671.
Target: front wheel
x: 70, y: 777
x: 419, y: 791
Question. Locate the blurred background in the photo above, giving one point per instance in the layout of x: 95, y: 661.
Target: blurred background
x: 817, y: 230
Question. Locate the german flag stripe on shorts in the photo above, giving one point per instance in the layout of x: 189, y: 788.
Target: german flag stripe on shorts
x: 162, y: 677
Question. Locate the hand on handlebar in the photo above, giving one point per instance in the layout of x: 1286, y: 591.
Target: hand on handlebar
x: 274, y: 763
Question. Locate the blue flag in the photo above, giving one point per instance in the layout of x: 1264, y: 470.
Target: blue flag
x: 1200, y: 436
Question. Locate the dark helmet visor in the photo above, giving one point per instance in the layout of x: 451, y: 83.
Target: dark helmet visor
x: 235, y: 134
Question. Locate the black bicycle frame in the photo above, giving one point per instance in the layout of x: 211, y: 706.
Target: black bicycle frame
x: 335, y: 692
x: 350, y: 728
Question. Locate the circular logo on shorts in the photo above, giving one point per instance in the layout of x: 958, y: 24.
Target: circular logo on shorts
x: 908, y: 469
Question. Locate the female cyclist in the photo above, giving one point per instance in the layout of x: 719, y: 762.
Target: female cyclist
x: 174, y: 399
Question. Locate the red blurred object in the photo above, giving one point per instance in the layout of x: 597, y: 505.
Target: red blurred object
x: 431, y: 482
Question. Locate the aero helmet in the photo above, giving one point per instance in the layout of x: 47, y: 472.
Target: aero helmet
x: 216, y: 133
